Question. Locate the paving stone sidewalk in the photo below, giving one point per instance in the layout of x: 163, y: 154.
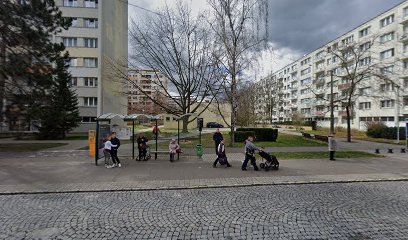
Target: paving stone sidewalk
x: 197, y: 183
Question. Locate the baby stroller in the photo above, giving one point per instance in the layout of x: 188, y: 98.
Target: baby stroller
x: 148, y: 155
x: 270, y: 163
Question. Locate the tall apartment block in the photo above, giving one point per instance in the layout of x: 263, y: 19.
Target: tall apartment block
x: 97, y: 37
x: 304, y: 86
x: 153, y: 84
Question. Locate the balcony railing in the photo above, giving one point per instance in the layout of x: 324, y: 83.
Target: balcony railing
x: 344, y: 86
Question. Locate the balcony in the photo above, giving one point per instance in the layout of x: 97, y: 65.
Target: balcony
x: 403, y: 37
x: 319, y: 81
x: 344, y: 114
x: 319, y: 114
x: 321, y: 102
x: 344, y: 86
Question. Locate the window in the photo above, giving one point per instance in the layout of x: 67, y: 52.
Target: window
x: 70, y: 3
x: 387, y: 21
x: 405, y: 48
x: 72, y: 62
x: 305, y: 91
x: 365, y: 46
x: 304, y: 62
x: 365, y: 91
x: 387, y: 37
x: 348, y: 40
x: 405, y: 82
x: 305, y: 100
x: 305, y: 110
x: 91, y: 3
x: 405, y: 64
x: 364, y: 32
x: 305, y: 71
x: 365, y: 61
x: 74, y: 82
x: 91, y: 62
x: 405, y: 29
x: 387, y: 103
x: 69, y: 41
x: 364, y: 105
x: 88, y: 119
x: 405, y: 11
x: 91, y: 23
x: 387, y: 70
x: 90, y: 82
x: 91, y: 42
x: 405, y: 101
x: 90, y: 101
x: 387, y: 87
x: 306, y: 81
x: 387, y: 54
x: 74, y: 22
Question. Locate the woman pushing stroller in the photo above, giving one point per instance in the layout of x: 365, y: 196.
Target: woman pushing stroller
x: 250, y: 149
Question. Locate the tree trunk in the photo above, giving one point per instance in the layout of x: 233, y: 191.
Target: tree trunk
x: 2, y: 80
x: 185, y: 124
x: 348, y: 123
x: 233, y: 107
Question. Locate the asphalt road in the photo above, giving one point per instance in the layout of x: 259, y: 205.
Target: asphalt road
x: 311, y: 211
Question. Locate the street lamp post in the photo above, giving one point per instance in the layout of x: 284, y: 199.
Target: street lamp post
x: 331, y: 104
x: 397, y: 113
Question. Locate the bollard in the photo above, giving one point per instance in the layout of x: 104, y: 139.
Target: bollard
x: 403, y: 150
x: 390, y: 150
x: 377, y: 151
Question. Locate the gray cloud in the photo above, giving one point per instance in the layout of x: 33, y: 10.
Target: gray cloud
x: 304, y: 25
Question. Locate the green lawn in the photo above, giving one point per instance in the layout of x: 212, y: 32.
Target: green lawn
x: 284, y: 140
x: 28, y: 147
x: 357, y: 135
x: 322, y: 155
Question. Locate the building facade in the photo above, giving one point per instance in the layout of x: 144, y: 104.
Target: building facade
x: 97, y: 37
x: 303, y: 88
x: 143, y: 86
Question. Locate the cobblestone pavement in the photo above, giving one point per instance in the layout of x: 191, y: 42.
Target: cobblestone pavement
x: 319, y: 211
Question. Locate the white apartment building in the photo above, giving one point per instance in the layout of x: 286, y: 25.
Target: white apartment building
x: 304, y: 85
x: 146, y: 82
x: 97, y: 36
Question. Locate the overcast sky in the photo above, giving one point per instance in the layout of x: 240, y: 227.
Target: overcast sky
x: 297, y: 27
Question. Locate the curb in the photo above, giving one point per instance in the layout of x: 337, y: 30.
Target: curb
x: 197, y: 187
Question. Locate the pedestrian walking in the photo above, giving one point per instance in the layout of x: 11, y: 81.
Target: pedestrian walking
x: 114, y: 152
x: 332, y: 146
x: 217, y: 137
x: 222, y: 157
x: 142, y: 146
x: 108, y: 149
x: 173, y: 149
x: 250, y: 149
x: 156, y: 130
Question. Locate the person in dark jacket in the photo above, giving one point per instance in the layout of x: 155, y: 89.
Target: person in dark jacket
x: 114, y: 151
x: 222, y: 157
x: 250, y: 154
x: 217, y: 137
x: 142, y: 146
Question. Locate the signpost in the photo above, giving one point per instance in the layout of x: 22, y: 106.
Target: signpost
x: 406, y: 133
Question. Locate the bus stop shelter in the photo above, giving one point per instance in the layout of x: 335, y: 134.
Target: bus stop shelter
x: 103, y: 123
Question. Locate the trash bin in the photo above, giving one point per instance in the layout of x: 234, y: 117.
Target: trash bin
x: 199, y: 150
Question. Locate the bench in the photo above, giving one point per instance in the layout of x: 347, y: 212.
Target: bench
x: 322, y: 138
x: 306, y: 135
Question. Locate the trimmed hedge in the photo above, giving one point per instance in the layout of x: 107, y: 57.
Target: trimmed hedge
x: 241, y: 136
x: 382, y: 131
x: 262, y: 134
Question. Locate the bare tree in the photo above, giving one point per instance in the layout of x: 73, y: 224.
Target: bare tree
x: 271, y: 96
x: 179, y: 46
x: 237, y: 25
x: 246, y: 100
x: 357, y: 66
